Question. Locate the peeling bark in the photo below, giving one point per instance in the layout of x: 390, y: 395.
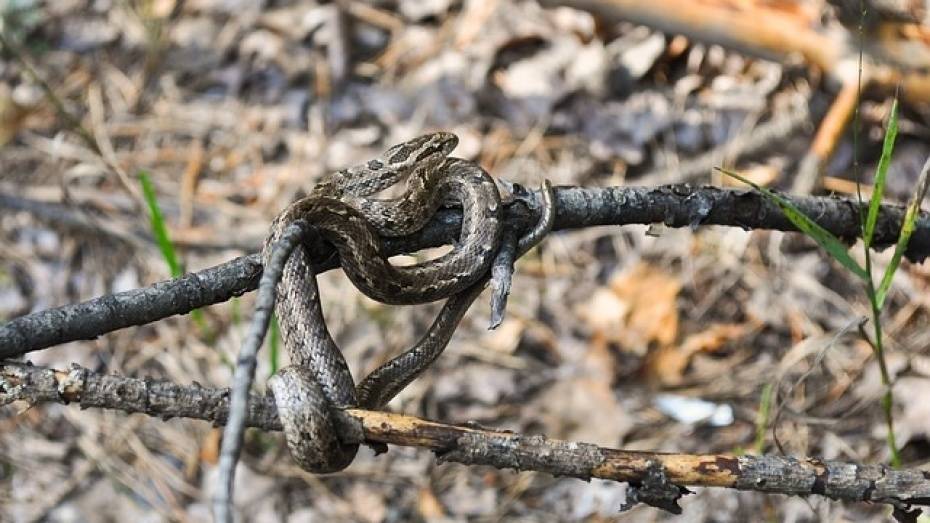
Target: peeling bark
x: 658, y: 479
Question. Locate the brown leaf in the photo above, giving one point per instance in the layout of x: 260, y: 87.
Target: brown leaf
x: 651, y: 295
x: 638, y: 309
x: 210, y: 446
x: 12, y: 116
x: 429, y: 506
x: 669, y: 362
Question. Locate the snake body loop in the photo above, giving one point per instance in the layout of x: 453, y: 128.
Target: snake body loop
x: 383, y: 383
x: 340, y: 210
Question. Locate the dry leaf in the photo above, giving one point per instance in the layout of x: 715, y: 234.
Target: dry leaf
x: 210, y: 446
x: 651, y: 295
x: 12, y: 116
x: 669, y: 362
x: 428, y: 505
x: 638, y: 309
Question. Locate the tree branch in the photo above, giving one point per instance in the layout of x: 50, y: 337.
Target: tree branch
x: 673, y: 205
x: 656, y: 478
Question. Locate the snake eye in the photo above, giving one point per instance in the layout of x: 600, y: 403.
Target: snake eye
x: 446, y: 142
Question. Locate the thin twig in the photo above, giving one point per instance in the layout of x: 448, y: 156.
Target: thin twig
x: 294, y: 234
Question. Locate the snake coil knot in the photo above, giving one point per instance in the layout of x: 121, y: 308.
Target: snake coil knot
x: 342, y: 209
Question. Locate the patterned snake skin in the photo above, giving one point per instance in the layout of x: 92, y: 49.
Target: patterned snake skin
x: 341, y: 209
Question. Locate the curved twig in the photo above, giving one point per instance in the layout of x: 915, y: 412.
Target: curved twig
x: 293, y: 235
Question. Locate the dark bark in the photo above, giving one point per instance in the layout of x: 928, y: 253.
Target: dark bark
x: 674, y: 205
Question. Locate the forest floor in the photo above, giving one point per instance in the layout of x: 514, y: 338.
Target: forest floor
x: 634, y: 337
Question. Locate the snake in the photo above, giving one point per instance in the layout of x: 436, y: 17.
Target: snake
x: 343, y: 210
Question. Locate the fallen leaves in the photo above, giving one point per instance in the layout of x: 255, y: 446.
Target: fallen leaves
x: 637, y: 312
x: 669, y: 362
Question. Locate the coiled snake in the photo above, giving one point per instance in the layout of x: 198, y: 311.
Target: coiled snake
x: 342, y: 211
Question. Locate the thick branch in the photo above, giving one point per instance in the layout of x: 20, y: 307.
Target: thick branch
x: 675, y: 205
x: 649, y: 472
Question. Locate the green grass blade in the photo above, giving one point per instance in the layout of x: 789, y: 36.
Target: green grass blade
x: 274, y: 342
x: 828, y: 241
x: 907, y: 229
x: 159, y: 230
x: 880, y: 175
x: 762, y: 418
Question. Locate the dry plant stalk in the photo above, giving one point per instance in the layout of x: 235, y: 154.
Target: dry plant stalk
x: 658, y: 479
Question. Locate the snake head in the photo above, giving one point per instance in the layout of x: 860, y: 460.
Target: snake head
x: 434, y: 146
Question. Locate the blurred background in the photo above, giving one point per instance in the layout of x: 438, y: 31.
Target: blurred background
x: 632, y: 337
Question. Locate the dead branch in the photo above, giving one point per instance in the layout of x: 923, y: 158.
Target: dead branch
x: 777, y: 33
x: 576, y: 207
x: 658, y: 479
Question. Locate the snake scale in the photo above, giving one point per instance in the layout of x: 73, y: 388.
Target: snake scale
x: 343, y: 211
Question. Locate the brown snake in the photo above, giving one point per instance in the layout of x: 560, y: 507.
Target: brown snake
x: 341, y: 210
